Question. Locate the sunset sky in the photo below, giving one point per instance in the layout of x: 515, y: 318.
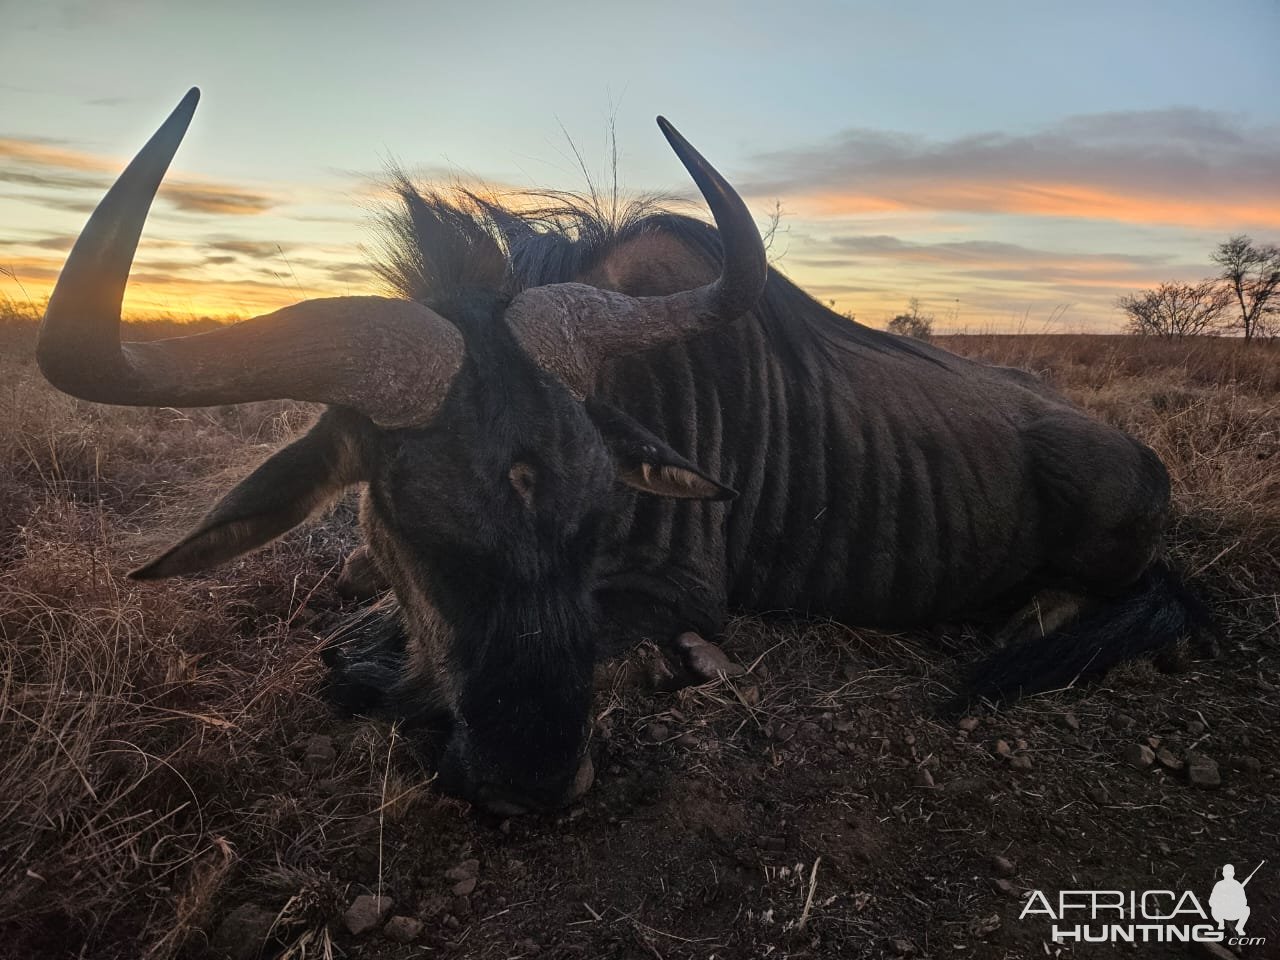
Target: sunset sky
x: 1012, y: 165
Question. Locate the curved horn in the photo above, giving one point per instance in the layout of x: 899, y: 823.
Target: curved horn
x: 393, y: 360
x: 572, y: 328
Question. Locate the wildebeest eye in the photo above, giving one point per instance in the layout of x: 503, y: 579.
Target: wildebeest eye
x: 523, y: 479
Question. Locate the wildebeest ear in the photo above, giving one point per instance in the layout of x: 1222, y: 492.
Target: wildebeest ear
x: 290, y: 486
x: 647, y: 463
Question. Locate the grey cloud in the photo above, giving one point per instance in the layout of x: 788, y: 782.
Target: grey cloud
x: 977, y: 252
x: 1174, y: 151
x: 256, y: 249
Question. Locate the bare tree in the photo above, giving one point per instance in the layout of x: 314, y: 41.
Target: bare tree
x: 913, y: 323
x: 1175, y: 310
x: 1252, y: 273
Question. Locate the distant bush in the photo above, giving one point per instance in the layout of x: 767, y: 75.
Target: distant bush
x: 1244, y: 296
x: 913, y: 323
x: 1174, y: 310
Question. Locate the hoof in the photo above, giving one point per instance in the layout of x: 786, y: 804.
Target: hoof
x: 688, y: 661
x: 704, y: 660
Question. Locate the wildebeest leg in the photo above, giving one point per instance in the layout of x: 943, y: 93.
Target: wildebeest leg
x: 1046, y: 612
x: 675, y: 624
x: 1104, y: 501
x: 366, y: 659
x: 1104, y: 504
x: 370, y: 673
x: 360, y: 579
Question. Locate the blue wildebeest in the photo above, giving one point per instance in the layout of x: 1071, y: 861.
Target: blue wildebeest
x: 574, y: 433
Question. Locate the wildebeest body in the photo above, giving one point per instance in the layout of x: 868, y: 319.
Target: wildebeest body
x: 880, y: 482
x: 549, y: 423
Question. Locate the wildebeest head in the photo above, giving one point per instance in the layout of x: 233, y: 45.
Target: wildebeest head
x: 489, y: 468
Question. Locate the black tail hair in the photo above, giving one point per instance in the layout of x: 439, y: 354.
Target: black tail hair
x: 1157, y: 612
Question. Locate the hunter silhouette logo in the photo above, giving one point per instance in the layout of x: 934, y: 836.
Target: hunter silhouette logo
x: 1147, y: 916
x: 1228, y: 900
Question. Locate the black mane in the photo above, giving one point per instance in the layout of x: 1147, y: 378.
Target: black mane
x: 438, y: 246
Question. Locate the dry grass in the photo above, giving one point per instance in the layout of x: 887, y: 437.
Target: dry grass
x: 143, y: 731
x: 148, y: 735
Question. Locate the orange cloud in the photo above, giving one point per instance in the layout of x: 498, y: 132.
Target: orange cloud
x: 37, y: 154
x: 52, y: 171
x: 1047, y: 200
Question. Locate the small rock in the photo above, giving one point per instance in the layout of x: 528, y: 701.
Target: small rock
x: 433, y: 905
x: 319, y: 753
x: 923, y: 778
x: 968, y: 725
x: 688, y: 741
x: 403, y: 929
x: 658, y: 674
x: 1167, y: 760
x: 1195, y: 727
x: 1203, y: 771
x: 1251, y: 764
x: 465, y: 887
x: 1003, y: 866
x: 902, y: 948
x: 982, y: 926
x: 656, y: 732
x: 1020, y: 764
x: 242, y: 933
x: 1138, y: 755
x: 365, y: 913
x: 1001, y: 748
x: 1007, y: 888
x: 466, y: 870
x: 1071, y: 720
x: 775, y: 844
x: 1121, y: 722
x: 750, y: 695
x: 1153, y: 743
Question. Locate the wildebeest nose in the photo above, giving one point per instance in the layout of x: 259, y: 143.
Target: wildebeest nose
x: 507, y: 803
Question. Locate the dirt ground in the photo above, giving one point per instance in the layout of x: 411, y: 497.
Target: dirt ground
x: 171, y: 784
